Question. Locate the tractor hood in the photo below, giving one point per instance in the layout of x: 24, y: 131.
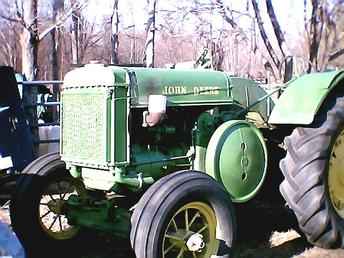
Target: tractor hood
x: 185, y: 87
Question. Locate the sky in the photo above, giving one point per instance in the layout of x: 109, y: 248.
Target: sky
x: 289, y: 12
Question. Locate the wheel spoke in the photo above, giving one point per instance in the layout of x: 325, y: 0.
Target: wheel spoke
x: 60, y: 223
x: 52, y: 197
x: 44, y: 203
x: 194, y: 218
x: 194, y: 255
x: 186, y: 219
x: 180, y: 254
x: 45, y: 214
x: 52, y: 224
x: 174, y: 225
x: 63, y: 196
x: 174, y: 237
x: 202, y: 229
x: 169, y: 248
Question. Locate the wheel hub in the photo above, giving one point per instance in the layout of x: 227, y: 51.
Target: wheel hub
x: 191, y: 232
x: 195, y: 243
x: 57, y: 206
x: 52, y: 208
x: 336, y: 175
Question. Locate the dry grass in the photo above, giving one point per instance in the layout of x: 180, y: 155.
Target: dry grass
x: 316, y: 252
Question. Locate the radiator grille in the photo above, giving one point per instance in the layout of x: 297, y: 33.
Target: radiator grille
x: 84, y: 118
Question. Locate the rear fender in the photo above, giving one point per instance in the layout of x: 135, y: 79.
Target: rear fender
x: 304, y: 96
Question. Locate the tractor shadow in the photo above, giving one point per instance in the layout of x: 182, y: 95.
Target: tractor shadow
x: 267, y: 231
x: 258, y: 237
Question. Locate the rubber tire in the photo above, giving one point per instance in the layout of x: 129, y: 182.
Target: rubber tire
x: 165, y: 197
x: 24, y: 208
x: 7, y: 187
x: 305, y: 170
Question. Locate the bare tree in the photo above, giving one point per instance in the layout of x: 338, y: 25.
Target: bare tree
x: 114, y: 33
x: 75, y: 30
x: 287, y: 58
x: 227, y: 13
x: 29, y: 38
x: 58, y: 7
x: 31, y: 35
x: 88, y: 39
x: 148, y: 57
x: 264, y: 35
x: 10, y: 44
x: 315, y: 34
x: 323, y: 30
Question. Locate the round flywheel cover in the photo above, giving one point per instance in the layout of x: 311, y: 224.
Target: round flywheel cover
x: 237, y: 157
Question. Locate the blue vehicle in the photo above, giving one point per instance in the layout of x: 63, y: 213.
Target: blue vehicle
x: 16, y: 142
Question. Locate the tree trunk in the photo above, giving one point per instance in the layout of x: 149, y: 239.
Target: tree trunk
x: 287, y: 58
x: 264, y: 36
x: 114, y: 34
x: 314, y: 38
x: 56, y: 54
x: 149, y: 54
x: 29, y: 40
x: 218, y: 55
x: 75, y: 29
x: 58, y: 6
x: 277, y: 28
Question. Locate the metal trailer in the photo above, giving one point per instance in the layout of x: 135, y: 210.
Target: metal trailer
x: 18, y: 126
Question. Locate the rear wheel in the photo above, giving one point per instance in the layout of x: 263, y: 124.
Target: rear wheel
x: 185, y: 214
x: 37, y: 208
x: 314, y: 176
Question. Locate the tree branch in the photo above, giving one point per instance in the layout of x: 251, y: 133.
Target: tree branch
x: 60, y: 21
x: 226, y: 13
x: 276, y: 26
x: 7, y: 18
x: 336, y: 54
x: 264, y: 36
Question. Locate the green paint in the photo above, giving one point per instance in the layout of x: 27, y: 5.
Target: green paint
x: 237, y: 157
x: 206, y: 125
x: 247, y: 92
x: 90, y: 112
x: 97, y: 101
x: 133, y: 181
x: 182, y: 87
x: 303, y: 97
x: 99, y: 215
x: 84, y: 113
x: 104, y: 143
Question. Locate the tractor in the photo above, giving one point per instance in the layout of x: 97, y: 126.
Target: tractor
x: 162, y: 157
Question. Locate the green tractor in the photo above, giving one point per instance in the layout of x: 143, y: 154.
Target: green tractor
x: 159, y: 156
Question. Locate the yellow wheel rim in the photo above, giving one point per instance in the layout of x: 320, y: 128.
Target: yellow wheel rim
x: 191, y: 232
x: 51, y: 208
x: 336, y: 175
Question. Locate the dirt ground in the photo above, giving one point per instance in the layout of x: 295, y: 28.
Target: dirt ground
x: 262, y: 234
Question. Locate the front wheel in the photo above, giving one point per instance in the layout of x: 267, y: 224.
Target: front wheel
x: 38, y: 209
x: 185, y: 214
x: 314, y: 176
